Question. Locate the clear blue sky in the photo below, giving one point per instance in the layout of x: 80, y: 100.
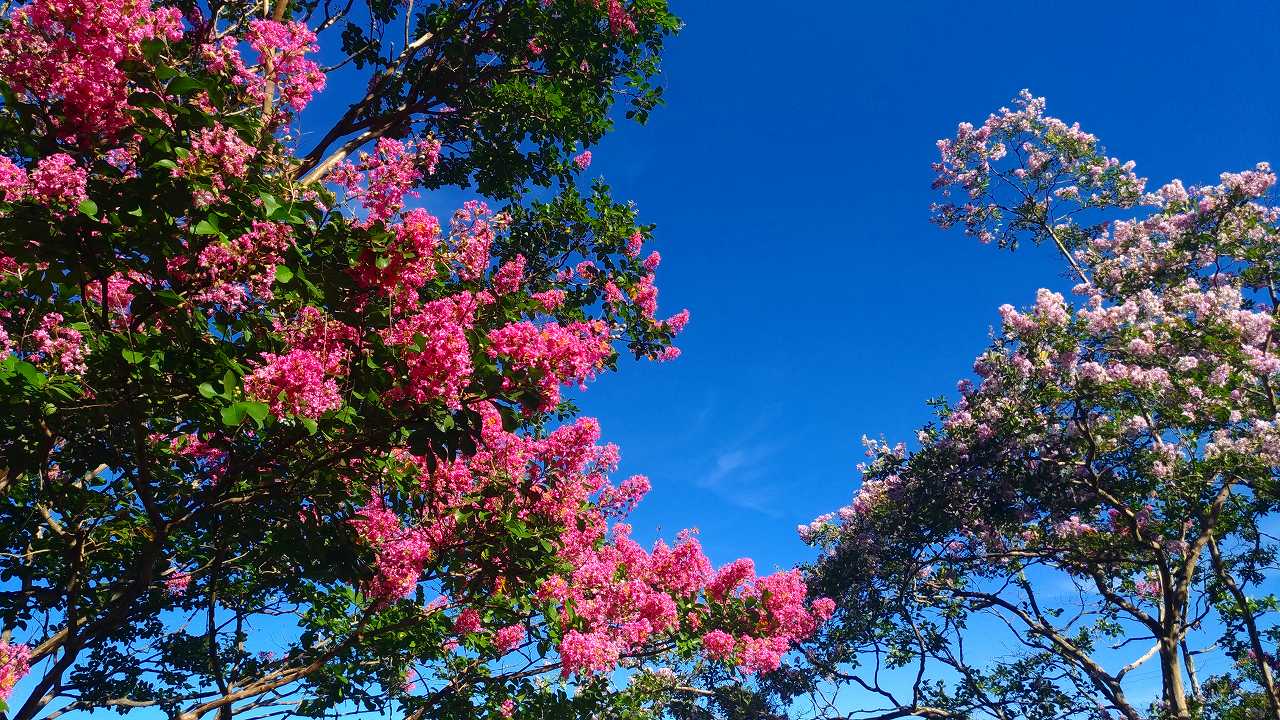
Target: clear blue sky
x: 789, y: 178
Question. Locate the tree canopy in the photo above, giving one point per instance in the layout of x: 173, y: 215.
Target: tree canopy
x: 277, y: 442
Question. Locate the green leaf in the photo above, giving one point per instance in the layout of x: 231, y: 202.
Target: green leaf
x: 233, y: 414
x: 208, y: 226
x: 89, y: 207
x: 34, y: 377
x: 207, y: 390
x: 184, y: 85
x: 133, y: 357
x: 283, y: 274
x: 257, y: 410
x: 310, y: 425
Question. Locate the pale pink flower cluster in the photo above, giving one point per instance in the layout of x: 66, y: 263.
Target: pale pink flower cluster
x: 1055, y: 163
x: 582, y: 160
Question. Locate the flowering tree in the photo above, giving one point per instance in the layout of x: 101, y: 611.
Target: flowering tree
x: 1099, y: 503
x: 276, y: 443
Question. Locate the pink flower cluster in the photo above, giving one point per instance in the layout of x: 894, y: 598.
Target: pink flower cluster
x: 15, y: 661
x: 777, y: 618
x: 60, y: 345
x: 618, y: 597
x: 380, y: 181
x: 471, y: 237
x: 619, y: 19
x: 554, y: 354
x: 217, y: 154
x: 401, y: 552
x: 303, y: 381
x: 282, y: 47
x: 509, y: 638
x: 435, y: 346
x: 408, y: 263
x: 56, y: 180
x: 231, y: 273
x: 69, y: 52
x: 177, y: 583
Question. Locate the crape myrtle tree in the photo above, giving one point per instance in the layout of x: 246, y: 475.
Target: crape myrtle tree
x: 276, y: 443
x: 1099, y: 503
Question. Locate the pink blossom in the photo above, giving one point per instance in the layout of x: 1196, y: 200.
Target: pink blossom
x: 176, y: 584
x: 13, y: 180
x: 586, y: 653
x: 60, y: 345
x: 718, y: 644
x: 70, y: 53
x: 554, y: 354
x: 295, y: 383
x: 436, y: 350
x: 218, y: 154
x: 281, y: 47
x: 15, y: 662
x: 509, y: 638
x: 467, y: 622
x: 582, y: 160
x: 58, y: 180
x: 508, y: 277
x: 382, y: 180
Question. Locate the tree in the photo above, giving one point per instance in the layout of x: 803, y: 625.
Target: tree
x: 277, y: 444
x: 1101, y: 499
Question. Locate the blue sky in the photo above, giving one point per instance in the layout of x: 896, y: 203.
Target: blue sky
x: 789, y: 178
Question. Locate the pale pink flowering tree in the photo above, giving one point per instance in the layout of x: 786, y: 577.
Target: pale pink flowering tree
x: 1099, y: 495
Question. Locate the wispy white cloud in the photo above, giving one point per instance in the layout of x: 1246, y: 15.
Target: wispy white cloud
x: 739, y: 475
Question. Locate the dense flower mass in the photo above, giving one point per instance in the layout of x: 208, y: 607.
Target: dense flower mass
x: 70, y: 52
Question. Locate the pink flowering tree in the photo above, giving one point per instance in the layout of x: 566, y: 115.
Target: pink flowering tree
x: 1088, y: 529
x: 274, y: 441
